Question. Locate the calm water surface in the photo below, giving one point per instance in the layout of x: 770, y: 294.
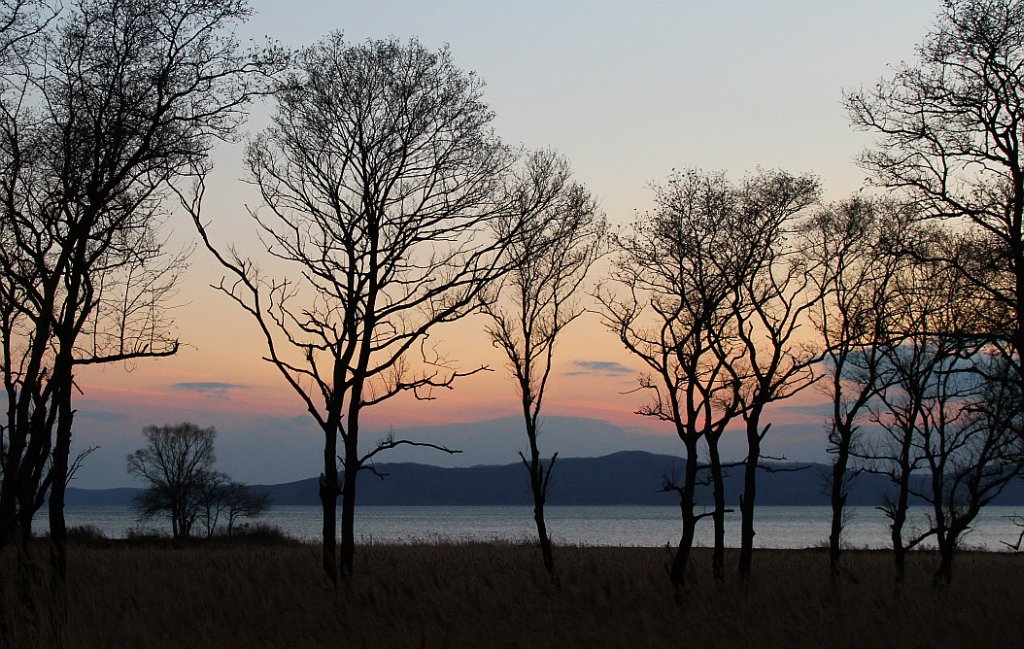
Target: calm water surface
x: 777, y: 527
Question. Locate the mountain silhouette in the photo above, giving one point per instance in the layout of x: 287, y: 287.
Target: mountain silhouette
x: 623, y: 478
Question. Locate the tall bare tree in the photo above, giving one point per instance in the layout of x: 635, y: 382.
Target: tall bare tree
x: 112, y: 104
x: 949, y: 130
x: 849, y: 248
x: 555, y: 236
x: 676, y: 278
x: 774, y: 298
x: 380, y: 178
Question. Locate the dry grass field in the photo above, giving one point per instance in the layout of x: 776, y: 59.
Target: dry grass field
x: 497, y: 595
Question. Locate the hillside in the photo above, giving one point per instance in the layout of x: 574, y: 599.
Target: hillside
x: 624, y: 478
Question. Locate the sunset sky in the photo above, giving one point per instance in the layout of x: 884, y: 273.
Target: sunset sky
x: 627, y: 94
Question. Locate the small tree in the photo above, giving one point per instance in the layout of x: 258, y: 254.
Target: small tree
x: 240, y: 501
x: 221, y: 498
x: 177, y: 463
x: 555, y: 237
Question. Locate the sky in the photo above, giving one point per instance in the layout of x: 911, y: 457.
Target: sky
x: 628, y: 93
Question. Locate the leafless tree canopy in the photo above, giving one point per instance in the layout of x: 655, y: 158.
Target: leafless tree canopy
x: 380, y: 178
x: 177, y: 464
x: 949, y: 128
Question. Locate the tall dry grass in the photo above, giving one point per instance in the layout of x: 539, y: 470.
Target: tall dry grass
x: 498, y: 595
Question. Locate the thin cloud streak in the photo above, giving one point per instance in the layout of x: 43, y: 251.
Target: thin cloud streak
x: 608, y: 368
x: 206, y: 387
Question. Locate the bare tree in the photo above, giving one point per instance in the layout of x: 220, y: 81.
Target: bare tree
x: 380, y: 178
x: 555, y: 235
x: 949, y: 128
x: 241, y: 501
x: 847, y: 245
x: 675, y: 283
x: 971, y: 463
x: 950, y: 434
x: 111, y: 104
x: 774, y: 297
x: 177, y: 463
x: 227, y: 500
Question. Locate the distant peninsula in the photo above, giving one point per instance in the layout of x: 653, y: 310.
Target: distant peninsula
x: 623, y: 478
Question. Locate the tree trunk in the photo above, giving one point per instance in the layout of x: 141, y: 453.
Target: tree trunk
x: 9, y: 490
x: 329, y: 504
x: 348, y: 506
x: 899, y: 509
x: 58, y: 485
x: 896, y: 533
x: 838, y: 500
x: 944, y: 574
x: 718, y: 482
x: 748, y: 498
x: 900, y: 562
x: 542, y: 535
x: 538, y: 488
x: 682, y: 556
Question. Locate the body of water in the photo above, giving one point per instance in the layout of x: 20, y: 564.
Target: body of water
x: 776, y: 527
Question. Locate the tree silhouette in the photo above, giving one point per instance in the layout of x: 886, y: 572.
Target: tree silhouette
x: 848, y: 245
x: 679, y: 278
x: 555, y: 236
x: 103, y: 110
x: 774, y: 296
x: 177, y: 463
x: 949, y: 128
x: 380, y: 180
x: 950, y: 436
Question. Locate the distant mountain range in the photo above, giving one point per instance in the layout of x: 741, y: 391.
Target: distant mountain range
x: 624, y: 478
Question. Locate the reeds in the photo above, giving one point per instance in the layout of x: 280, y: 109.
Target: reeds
x: 254, y: 595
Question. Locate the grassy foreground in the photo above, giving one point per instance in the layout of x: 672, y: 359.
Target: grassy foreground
x: 497, y: 595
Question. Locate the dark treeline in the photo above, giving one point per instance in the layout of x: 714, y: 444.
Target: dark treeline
x: 394, y: 208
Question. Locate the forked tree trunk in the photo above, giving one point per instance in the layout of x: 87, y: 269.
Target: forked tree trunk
x: 538, y: 486
x: 542, y: 535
